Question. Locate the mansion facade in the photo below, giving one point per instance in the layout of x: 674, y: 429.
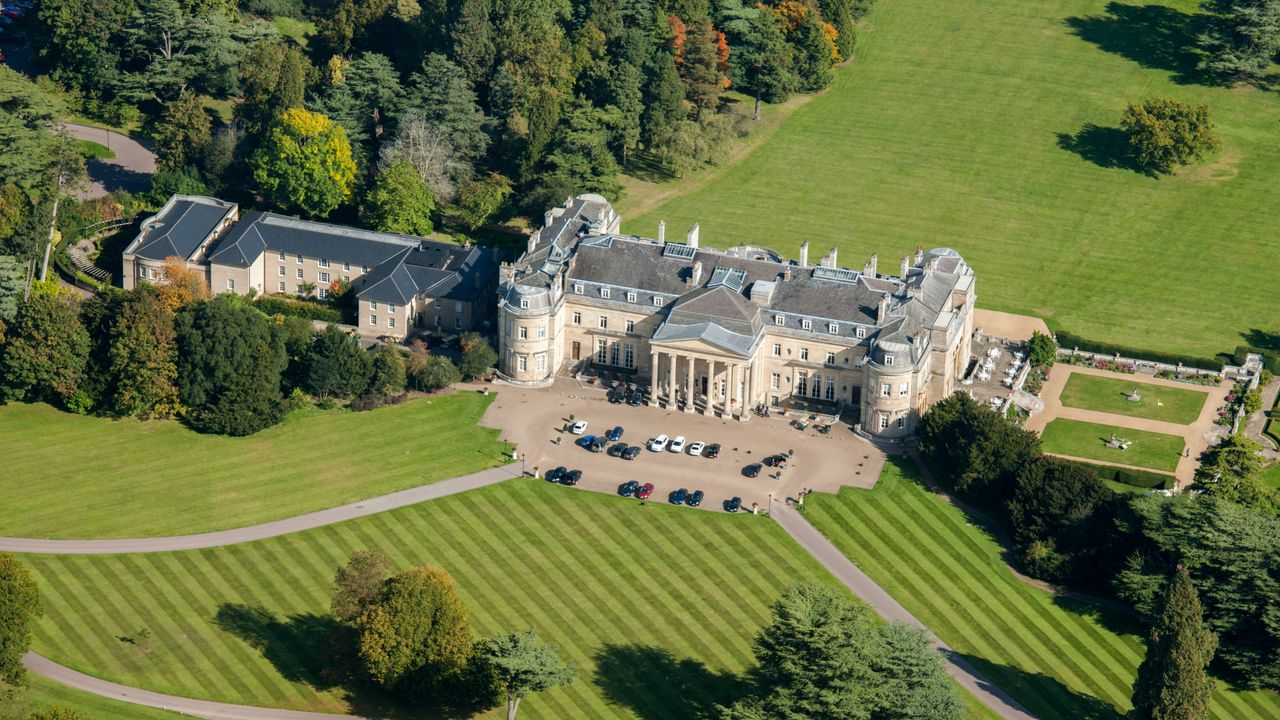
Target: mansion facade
x: 722, y: 332
x: 400, y: 281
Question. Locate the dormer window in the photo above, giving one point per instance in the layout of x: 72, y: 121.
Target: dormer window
x: 779, y: 320
x: 806, y: 324
x: 577, y: 288
x: 860, y: 333
x: 833, y: 328
x: 282, y: 255
x: 524, y: 303
x: 604, y: 293
x: 631, y: 297
x: 888, y: 359
x: 657, y: 302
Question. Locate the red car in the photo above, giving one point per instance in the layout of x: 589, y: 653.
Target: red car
x: 645, y: 491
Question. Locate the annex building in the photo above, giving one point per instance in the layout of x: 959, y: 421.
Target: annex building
x: 401, y: 282
x: 721, y: 332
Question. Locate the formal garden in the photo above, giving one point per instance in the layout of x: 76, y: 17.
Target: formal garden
x: 1113, y: 444
x: 1145, y: 400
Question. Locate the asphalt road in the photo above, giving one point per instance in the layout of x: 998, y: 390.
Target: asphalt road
x: 131, y: 169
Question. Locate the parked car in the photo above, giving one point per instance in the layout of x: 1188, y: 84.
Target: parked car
x: 628, y: 488
x: 695, y: 499
x: 712, y: 452
x: 751, y: 470
x: 659, y: 443
x: 677, y: 444
x: 677, y: 497
x: 617, y: 395
x: 17, y: 38
x: 733, y: 504
x: 586, y: 440
x: 571, y: 478
x: 695, y: 448
x: 631, y: 452
x: 775, y: 460
x: 645, y: 491
x: 615, y: 433
x: 635, y: 397
x: 598, y: 445
x: 579, y: 427
x: 617, y: 449
x: 554, y: 474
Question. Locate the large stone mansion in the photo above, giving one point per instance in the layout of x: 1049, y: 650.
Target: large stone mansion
x: 721, y: 332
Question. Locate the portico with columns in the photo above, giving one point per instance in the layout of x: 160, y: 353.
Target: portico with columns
x: 697, y: 380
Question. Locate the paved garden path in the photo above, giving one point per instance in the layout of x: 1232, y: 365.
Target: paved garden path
x: 1195, y: 435
x: 320, y: 518
x: 882, y: 602
x: 131, y: 168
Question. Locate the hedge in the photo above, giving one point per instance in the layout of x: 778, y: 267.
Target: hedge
x: 1126, y: 476
x: 1067, y: 341
x: 298, y: 308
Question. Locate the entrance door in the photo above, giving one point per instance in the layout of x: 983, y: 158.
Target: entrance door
x: 576, y: 350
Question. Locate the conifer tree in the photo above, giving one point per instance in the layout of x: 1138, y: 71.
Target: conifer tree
x: 1172, y: 683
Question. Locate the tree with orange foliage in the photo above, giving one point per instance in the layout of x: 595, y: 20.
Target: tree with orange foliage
x: 833, y: 37
x: 678, y: 33
x: 701, y: 68
x: 179, y: 285
x: 722, y: 59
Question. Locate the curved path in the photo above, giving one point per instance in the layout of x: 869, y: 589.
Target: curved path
x: 320, y: 518
x: 131, y: 168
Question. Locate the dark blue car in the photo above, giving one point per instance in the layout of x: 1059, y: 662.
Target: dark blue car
x: 677, y: 497
x: 586, y: 441
x: 628, y: 488
x: 733, y: 504
x: 614, y: 434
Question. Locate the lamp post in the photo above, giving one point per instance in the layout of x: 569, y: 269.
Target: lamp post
x: 770, y: 503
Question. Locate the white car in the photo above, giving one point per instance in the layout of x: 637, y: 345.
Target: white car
x: 677, y: 444
x: 579, y: 427
x: 658, y: 444
x: 695, y: 448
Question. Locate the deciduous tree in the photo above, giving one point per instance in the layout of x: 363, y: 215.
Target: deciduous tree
x: 417, y: 633
x: 481, y: 199
x: 399, y: 201
x: 478, y: 356
x: 144, y: 357
x: 183, y: 132
x: 388, y: 376
x: 19, y: 607
x: 1164, y: 133
x: 522, y: 665
x: 358, y: 584
x: 305, y: 164
x: 273, y: 79
x: 1172, y: 681
x: 46, y: 349
x: 180, y: 285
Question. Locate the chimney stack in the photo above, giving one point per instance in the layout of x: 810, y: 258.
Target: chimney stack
x: 834, y: 262
x: 882, y: 310
x: 919, y: 254
x: 870, y: 268
x: 906, y: 264
x: 533, y: 240
x: 662, y: 231
x: 695, y: 274
x: 804, y: 254
x: 693, y: 236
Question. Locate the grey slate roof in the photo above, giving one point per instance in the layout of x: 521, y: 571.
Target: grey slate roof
x: 432, y: 268
x: 259, y: 232
x: 180, y: 227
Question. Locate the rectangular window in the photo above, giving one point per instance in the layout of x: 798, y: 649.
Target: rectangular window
x: 884, y: 421
x: 142, y: 272
x: 604, y: 322
x: 904, y: 389
x: 324, y: 262
x: 231, y: 284
x: 522, y: 362
x: 457, y: 306
x: 779, y: 320
x: 392, y: 308
x: 601, y: 351
x: 346, y: 267
x: 282, y: 255
x: 281, y: 271
x: 524, y: 303
x: 631, y: 297
x: 802, y: 383
x: 804, y: 353
x: 299, y: 259
x: 817, y: 387
x: 437, y: 323
x: 373, y: 304
x: 833, y: 328
x: 324, y: 293
x: 604, y: 293
x: 542, y: 331
x: 577, y: 318
x: 523, y: 332
x: 629, y: 357
x: 806, y: 324
x: 324, y: 278
x: 457, y: 323
x: 577, y: 288
x: 657, y: 301
x: 151, y: 273
x: 860, y: 333
x: 886, y: 390
x: 540, y: 361
x: 391, y: 322
x: 373, y: 320
x: 631, y: 325
x: 364, y: 269
x: 613, y: 354
x: 281, y: 286
x: 888, y: 359
x: 777, y: 350
x: 831, y: 389
x: 831, y: 358
x: 902, y: 421
x: 298, y: 273
x: 775, y: 380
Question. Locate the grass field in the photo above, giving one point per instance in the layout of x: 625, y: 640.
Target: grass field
x: 655, y: 605
x: 73, y: 476
x: 1110, y: 395
x: 995, y: 133
x: 92, y: 150
x: 1089, y: 440
x: 1062, y: 659
x: 43, y: 694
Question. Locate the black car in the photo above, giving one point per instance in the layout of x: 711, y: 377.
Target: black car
x: 571, y: 478
x: 677, y: 497
x: 712, y: 451
x: 751, y: 470
x: 628, y: 488
x: 554, y: 474
x: 618, y: 395
x: 630, y: 453
x: 598, y: 445
x: 617, y: 449
x: 635, y: 397
x: 733, y: 504
x: 775, y: 460
x: 695, y: 499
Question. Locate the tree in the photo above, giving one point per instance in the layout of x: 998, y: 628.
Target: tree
x: 361, y: 100
x: 579, y: 159
x: 1164, y: 133
x: 13, y: 281
x: 442, y: 95
x: 45, y: 350
x: 181, y: 285
x: 229, y: 366
x: 702, y: 68
x: 389, y: 372
x: 761, y: 62
x: 144, y: 357
x: 183, y: 132
x: 399, y: 201
x: 336, y: 365
x: 417, y: 633
x: 26, y: 115
x: 427, y: 149
x: 1232, y: 470
x: 273, y: 79
x: 358, y: 584
x: 1062, y: 520
x: 58, y: 712
x: 521, y: 665
x: 1172, y: 683
x: 914, y: 681
x: 814, y: 53
x: 1242, y: 39
x: 481, y: 199
x: 305, y: 163
x: 19, y: 607
x: 973, y: 449
x: 1041, y: 349
x: 478, y: 356
x: 473, y: 45
x: 664, y: 92
x: 429, y: 373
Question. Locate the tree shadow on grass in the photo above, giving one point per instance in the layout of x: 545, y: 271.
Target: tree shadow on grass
x: 1154, y: 36
x: 1262, y: 339
x: 654, y: 684
x: 1105, y: 147
x: 320, y: 652
x: 1042, y: 695
x: 1114, y: 615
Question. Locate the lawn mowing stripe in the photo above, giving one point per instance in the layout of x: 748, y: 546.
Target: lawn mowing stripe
x: 63, y: 631
x: 303, y: 572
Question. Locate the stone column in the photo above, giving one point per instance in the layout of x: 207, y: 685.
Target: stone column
x: 688, y: 386
x: 653, y: 378
x: 731, y: 389
x: 671, y: 381
x: 709, y: 408
x: 747, y: 405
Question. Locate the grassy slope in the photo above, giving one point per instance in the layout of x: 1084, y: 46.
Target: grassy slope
x: 43, y: 694
x: 1110, y: 395
x: 1089, y: 440
x: 73, y: 476
x: 654, y: 604
x: 945, y: 131
x: 1062, y: 659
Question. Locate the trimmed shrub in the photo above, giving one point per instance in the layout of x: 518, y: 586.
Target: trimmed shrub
x: 1126, y: 476
x: 298, y: 308
x: 1067, y: 341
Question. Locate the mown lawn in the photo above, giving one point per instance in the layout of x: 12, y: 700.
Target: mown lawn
x: 44, y: 694
x: 1089, y: 440
x: 1060, y: 658
x: 1111, y: 395
x: 656, y: 605
x: 70, y: 476
x: 994, y: 132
